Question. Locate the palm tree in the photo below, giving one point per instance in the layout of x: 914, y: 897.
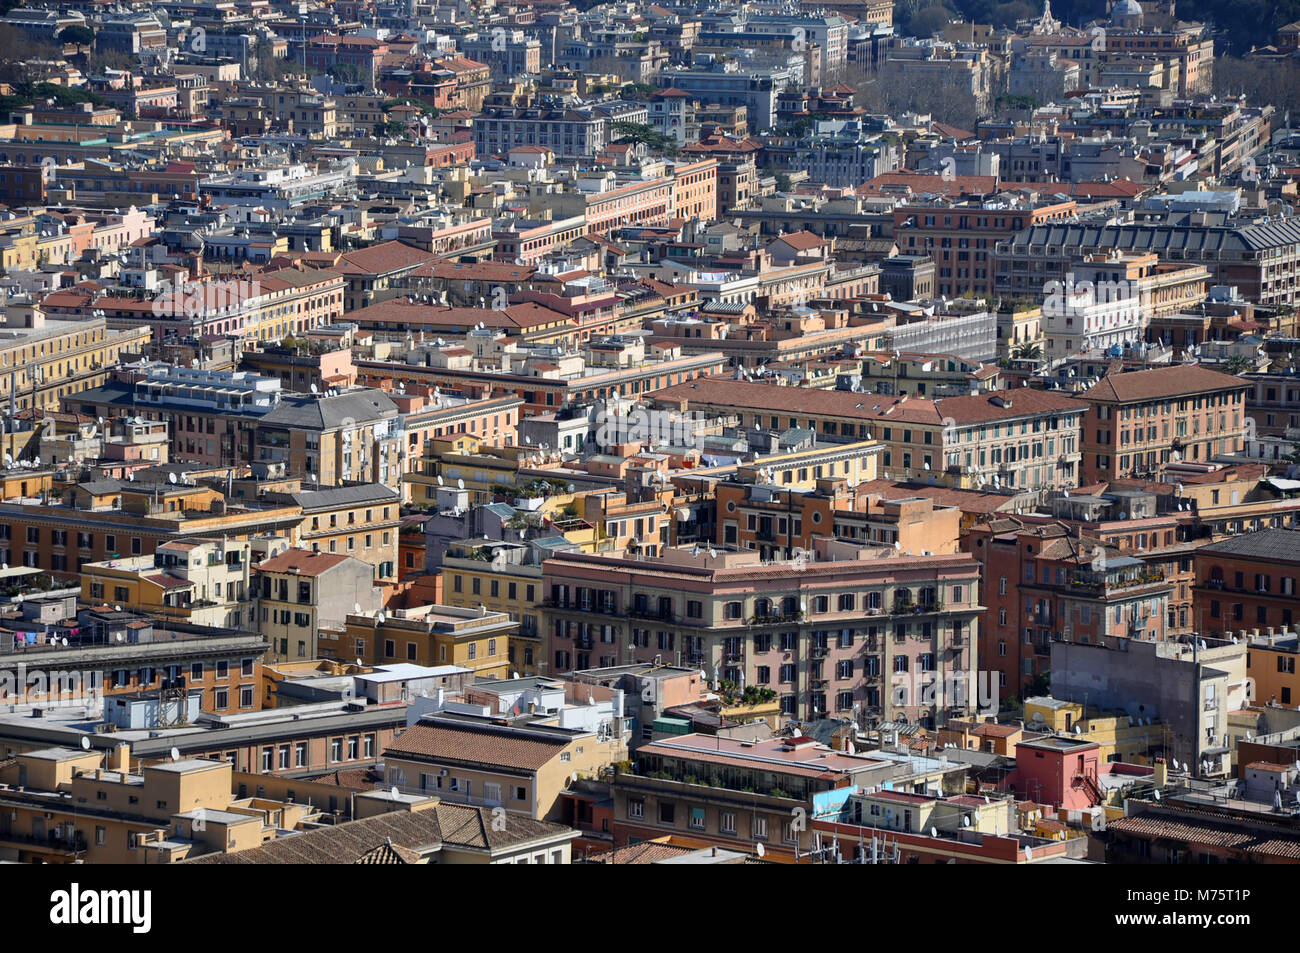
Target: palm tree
x: 1028, y: 352
x: 1237, y: 364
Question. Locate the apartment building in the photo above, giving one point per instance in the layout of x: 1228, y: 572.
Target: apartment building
x: 567, y: 132
x: 741, y: 790
x: 506, y: 577
x: 196, y: 580
x: 1108, y: 300
x: 1020, y: 438
x: 1261, y: 259
x: 432, y: 635
x: 523, y: 764
x: 332, y: 439
x: 1248, y: 582
x: 1138, y: 423
x: 1046, y: 582
x: 211, y: 416
x: 778, y: 522
x: 298, y: 592
x: 358, y: 520
x: 119, y: 652
x: 961, y: 237
x: 45, y: 361
x: 827, y: 632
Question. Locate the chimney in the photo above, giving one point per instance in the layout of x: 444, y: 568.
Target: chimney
x: 119, y: 759
x: 1161, y: 777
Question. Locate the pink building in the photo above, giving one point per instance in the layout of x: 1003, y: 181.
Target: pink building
x: 1058, y: 770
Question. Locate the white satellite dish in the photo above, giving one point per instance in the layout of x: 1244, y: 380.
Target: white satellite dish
x: 176, y: 755
x: 381, y: 618
x: 315, y: 389
x: 171, y: 478
x: 1157, y: 793
x: 85, y: 742
x: 356, y: 607
x: 758, y: 849
x: 117, y: 608
x: 460, y: 484
x: 393, y: 791
x: 934, y: 832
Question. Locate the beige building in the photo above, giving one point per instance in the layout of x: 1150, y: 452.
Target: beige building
x: 523, y: 768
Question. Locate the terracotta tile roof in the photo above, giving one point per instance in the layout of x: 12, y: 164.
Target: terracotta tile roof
x: 383, y: 258
x: 1211, y: 831
x: 1018, y: 402
x: 728, y: 392
x: 475, y: 744
x: 423, y: 831
x: 1159, y: 382
x: 647, y: 852
x: 802, y: 241
x: 301, y: 562
x: 389, y: 853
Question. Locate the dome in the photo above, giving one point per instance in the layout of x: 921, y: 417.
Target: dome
x: 1126, y: 8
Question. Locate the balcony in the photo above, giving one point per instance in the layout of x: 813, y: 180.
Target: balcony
x: 917, y: 608
x: 68, y: 847
x: 775, y: 618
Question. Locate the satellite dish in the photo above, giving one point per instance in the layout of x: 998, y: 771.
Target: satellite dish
x: 758, y: 849
x: 117, y: 608
x: 393, y: 791
x: 1157, y: 793
x: 315, y: 389
x: 381, y: 618
x: 460, y: 484
x: 85, y: 742
x: 356, y: 607
x: 171, y: 478
x: 934, y: 832
x: 36, y: 462
x: 176, y: 755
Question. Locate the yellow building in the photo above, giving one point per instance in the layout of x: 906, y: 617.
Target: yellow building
x: 431, y: 635
x: 1121, y: 736
x: 156, y: 814
x: 199, y: 581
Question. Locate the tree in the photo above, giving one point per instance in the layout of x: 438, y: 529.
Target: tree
x: 651, y: 138
x: 1237, y: 364
x: 80, y: 35
x: 1028, y: 351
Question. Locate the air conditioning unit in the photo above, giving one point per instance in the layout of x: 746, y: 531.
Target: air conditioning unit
x: 442, y: 773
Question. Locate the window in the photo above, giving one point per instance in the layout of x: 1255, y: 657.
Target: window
x: 727, y: 822
x: 697, y: 818
x: 336, y: 750
x: 635, y: 806
x: 300, y: 755
x: 667, y: 812
x: 758, y: 828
